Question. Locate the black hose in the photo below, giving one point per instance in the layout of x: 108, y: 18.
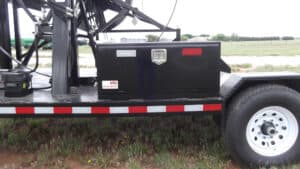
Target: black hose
x: 36, y: 55
x: 4, y: 52
x: 43, y: 88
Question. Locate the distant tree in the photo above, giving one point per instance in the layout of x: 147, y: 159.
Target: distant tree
x: 186, y: 37
x: 234, y: 37
x: 205, y: 35
x: 288, y: 38
x: 246, y: 38
x: 152, y: 38
x: 220, y: 37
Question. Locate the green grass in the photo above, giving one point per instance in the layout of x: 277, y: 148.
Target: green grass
x: 265, y: 68
x: 270, y: 68
x: 85, y: 49
x: 171, y: 142
x: 177, y: 142
x: 261, y: 48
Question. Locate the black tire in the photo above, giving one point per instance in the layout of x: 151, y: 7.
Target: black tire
x: 240, y: 111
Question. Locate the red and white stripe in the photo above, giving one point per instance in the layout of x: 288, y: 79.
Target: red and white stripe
x: 69, y: 110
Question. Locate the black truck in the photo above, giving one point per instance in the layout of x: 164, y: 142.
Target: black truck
x: 258, y: 112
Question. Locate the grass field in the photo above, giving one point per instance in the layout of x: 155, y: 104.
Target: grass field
x: 176, y: 142
x: 261, y: 48
x: 133, y: 143
x: 265, y: 68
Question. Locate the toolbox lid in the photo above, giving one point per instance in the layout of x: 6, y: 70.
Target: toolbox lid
x: 159, y: 44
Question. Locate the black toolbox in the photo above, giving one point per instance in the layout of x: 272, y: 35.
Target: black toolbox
x: 158, y: 70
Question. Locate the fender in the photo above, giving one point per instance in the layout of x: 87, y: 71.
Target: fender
x: 232, y: 84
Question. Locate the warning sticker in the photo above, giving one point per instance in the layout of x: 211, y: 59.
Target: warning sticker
x: 110, y: 84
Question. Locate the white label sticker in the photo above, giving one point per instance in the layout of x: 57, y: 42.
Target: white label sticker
x: 126, y: 53
x: 110, y: 84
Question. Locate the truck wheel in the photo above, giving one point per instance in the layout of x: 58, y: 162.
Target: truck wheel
x: 262, y: 127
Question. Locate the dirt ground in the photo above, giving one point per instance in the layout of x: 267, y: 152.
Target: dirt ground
x: 13, y: 160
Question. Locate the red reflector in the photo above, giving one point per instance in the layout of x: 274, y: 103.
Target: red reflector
x: 212, y: 107
x: 192, y: 51
x: 24, y: 110
x: 62, y: 110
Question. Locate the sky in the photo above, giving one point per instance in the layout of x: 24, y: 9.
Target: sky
x: 242, y: 17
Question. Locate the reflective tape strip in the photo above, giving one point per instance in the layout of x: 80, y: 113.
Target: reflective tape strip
x: 81, y: 110
x: 58, y: 110
x: 7, y: 110
x: 137, y: 109
x: 100, y: 110
x: 156, y: 109
x: 118, y: 110
x: 193, y: 108
x: 175, y: 108
x: 212, y: 107
x: 25, y: 110
x: 43, y: 110
x: 62, y: 110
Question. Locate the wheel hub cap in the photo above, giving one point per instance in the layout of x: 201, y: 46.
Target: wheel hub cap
x: 268, y: 129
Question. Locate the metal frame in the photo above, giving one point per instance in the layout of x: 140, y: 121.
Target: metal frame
x: 18, y: 45
x: 96, y: 9
x: 63, y: 34
x: 5, y: 63
x: 86, y: 104
x: 61, y: 50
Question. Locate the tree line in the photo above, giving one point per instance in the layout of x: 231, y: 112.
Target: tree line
x: 223, y: 37
x: 235, y: 37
